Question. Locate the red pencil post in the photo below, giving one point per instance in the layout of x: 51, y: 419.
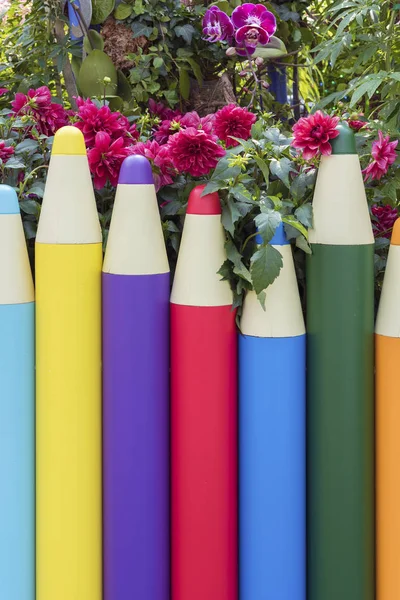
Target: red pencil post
x: 203, y: 412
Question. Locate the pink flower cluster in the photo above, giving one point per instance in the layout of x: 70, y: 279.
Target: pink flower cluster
x: 109, y: 138
x: 37, y: 104
x: 312, y: 135
x: 194, y: 143
x: 5, y: 151
x: 385, y: 217
x: 383, y: 154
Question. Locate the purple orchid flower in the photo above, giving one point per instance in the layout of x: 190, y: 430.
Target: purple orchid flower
x: 254, y: 14
x: 217, y: 26
x: 255, y: 25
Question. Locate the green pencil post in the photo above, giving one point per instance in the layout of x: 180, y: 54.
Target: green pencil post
x: 340, y: 411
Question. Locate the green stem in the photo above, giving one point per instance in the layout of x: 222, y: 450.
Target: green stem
x: 388, y: 61
x: 23, y: 185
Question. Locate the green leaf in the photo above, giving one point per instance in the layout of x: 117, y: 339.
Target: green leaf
x: 266, y: 264
x: 184, y: 84
x: 262, y: 165
x: 30, y: 207
x: 266, y: 222
x: 186, y: 32
x: 236, y: 258
x: 37, y: 189
x: 305, y: 214
x: 241, y: 193
x: 101, y: 10
x: 273, y: 49
x: 281, y: 169
x: 96, y: 66
x: 26, y: 146
x: 93, y: 41
x: 293, y: 222
x: 302, y: 243
x: 196, y: 70
x: 141, y: 29
x: 123, y: 11
x: 230, y: 214
x: 124, y: 89
x: 13, y: 163
x: 30, y: 229
x: 223, y: 171
x: 158, y: 62
x: 213, y: 186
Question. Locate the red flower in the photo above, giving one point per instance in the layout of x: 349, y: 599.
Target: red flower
x: 312, y: 134
x: 105, y: 159
x: 163, y: 169
x: 93, y: 120
x: 233, y: 121
x: 192, y: 119
x: 385, y: 219
x: 3, y: 91
x: 194, y: 151
x: 384, y: 154
x: 357, y: 125
x: 49, y: 116
x: 159, y: 109
x: 5, y: 151
x: 167, y: 128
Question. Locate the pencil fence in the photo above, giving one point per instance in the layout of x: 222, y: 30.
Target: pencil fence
x: 195, y: 490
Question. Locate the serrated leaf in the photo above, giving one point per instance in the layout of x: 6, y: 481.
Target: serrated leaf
x: 223, y: 171
x: 293, y: 222
x: 267, y: 222
x: 262, y: 165
x: 305, y: 215
x: 281, y: 169
x: 230, y: 214
x: 241, y: 193
x: 13, y: 163
x: 213, y: 186
x: 266, y: 264
x: 26, y: 146
x: 302, y: 243
x: 236, y: 258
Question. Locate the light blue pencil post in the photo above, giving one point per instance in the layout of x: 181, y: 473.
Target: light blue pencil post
x: 272, y: 440
x: 17, y: 407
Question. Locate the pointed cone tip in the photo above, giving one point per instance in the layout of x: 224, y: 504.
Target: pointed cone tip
x: 395, y: 240
x: 69, y: 140
x: 345, y: 142
x: 8, y: 201
x: 203, y: 205
x: 136, y: 170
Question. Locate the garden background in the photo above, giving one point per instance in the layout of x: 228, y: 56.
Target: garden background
x: 223, y: 93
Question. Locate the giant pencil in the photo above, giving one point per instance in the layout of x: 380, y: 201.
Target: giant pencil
x: 68, y: 346
x: 17, y: 406
x: 136, y: 392
x: 387, y: 349
x: 204, y: 412
x: 272, y: 412
x: 340, y: 409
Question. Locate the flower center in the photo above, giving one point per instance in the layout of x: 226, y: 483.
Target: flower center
x: 253, y: 20
x: 252, y: 36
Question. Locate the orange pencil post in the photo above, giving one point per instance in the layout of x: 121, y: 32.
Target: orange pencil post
x: 387, y: 350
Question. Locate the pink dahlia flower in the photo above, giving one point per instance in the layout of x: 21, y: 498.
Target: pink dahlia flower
x: 105, y: 159
x: 49, y: 116
x: 357, y: 125
x: 217, y: 26
x: 5, y: 151
x: 93, y: 119
x: 159, y: 109
x: 233, y: 121
x: 384, y: 154
x: 312, y: 134
x: 3, y: 91
x: 385, y: 219
x: 192, y: 119
x: 194, y: 151
x: 166, y: 129
x: 163, y: 169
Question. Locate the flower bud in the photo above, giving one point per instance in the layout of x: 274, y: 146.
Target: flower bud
x: 106, y: 80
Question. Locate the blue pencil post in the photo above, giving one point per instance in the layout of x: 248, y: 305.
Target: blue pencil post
x: 17, y: 410
x: 272, y: 439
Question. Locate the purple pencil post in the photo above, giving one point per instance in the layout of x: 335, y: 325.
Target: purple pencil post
x: 136, y: 393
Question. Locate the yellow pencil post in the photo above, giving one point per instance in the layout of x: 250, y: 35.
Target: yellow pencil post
x: 68, y: 383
